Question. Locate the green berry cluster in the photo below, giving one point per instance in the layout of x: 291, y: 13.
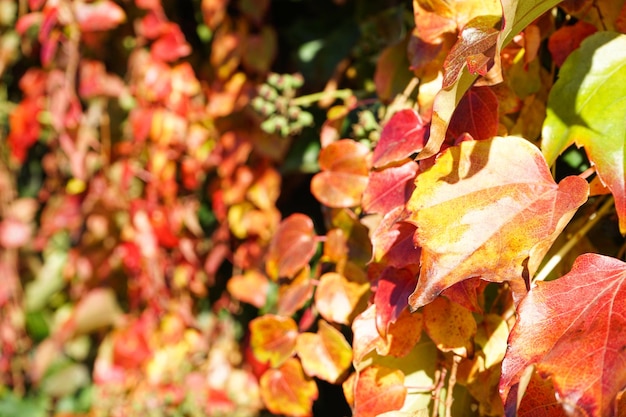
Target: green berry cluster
x: 367, y: 128
x: 276, y: 103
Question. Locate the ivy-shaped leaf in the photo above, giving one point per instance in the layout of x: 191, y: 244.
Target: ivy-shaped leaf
x: 586, y: 106
x: 393, y: 242
x: 392, y: 292
x: 488, y: 209
x: 574, y: 331
x: 476, y: 115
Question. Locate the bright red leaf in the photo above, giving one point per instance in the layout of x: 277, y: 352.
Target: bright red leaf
x: 389, y: 188
x: 488, y: 209
x: 392, y: 294
x: 292, y: 247
x: 402, y: 136
x: 476, y: 115
x: 574, y: 330
x: 393, y: 243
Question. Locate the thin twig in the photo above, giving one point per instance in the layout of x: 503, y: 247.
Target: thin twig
x: 440, y: 377
x: 558, y: 257
x: 451, y: 382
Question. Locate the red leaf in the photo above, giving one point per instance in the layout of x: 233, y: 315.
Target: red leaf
x: 392, y: 294
x: 568, y: 38
x: 574, y: 330
x: 476, y: 115
x: 24, y: 127
x: 292, y: 246
x: 393, y: 241
x: 95, y: 81
x: 389, y: 188
x: 402, y: 136
x: 171, y: 45
x: 97, y: 16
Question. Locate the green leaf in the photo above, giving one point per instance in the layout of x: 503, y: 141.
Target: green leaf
x: 586, y: 106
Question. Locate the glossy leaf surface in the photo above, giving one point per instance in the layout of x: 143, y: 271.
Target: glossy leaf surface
x: 574, y: 330
x: 586, y: 107
x: 393, y: 242
x: 337, y: 297
x: 488, y: 209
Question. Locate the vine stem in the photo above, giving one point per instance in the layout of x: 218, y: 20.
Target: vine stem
x: 558, y: 257
x: 312, y: 98
x: 451, y: 382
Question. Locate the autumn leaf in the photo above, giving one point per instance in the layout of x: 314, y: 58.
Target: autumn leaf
x: 99, y: 15
x: 292, y: 247
x: 567, y: 39
x: 287, y: 390
x: 393, y: 242
x: 273, y: 338
x: 451, y: 326
x: 325, y: 354
x: 392, y: 292
x: 403, y: 135
x: 344, y: 176
x: 516, y: 15
x: 337, y: 297
x: 378, y: 389
x: 586, y: 107
x: 250, y: 287
x: 574, y: 330
x: 475, y: 49
x: 540, y: 399
x: 389, y: 188
x: 488, y: 209
x: 476, y: 115
x: 294, y: 294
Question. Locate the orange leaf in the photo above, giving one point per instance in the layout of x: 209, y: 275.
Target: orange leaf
x: 292, y: 246
x: 250, y: 287
x: 337, y: 298
x: 344, y: 176
x: 294, y: 294
x: 377, y: 390
x: 287, y: 390
x: 451, y: 326
x: 574, y: 330
x: 273, y: 338
x: 488, y: 209
x: 325, y: 354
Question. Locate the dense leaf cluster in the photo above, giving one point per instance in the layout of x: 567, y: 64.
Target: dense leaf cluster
x: 243, y: 207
